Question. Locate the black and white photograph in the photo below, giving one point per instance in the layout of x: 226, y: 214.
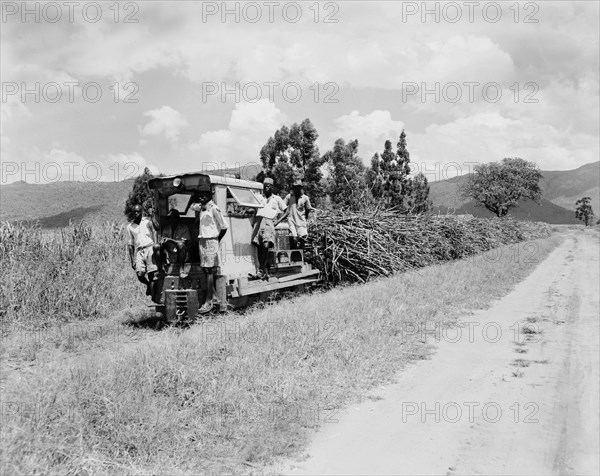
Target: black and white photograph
x: 311, y: 237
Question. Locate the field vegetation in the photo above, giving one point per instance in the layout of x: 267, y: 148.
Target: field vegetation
x: 81, y: 272
x: 78, y: 272
x: 232, y: 393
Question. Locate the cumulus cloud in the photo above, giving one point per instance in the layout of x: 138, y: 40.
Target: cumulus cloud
x: 249, y: 126
x: 371, y: 50
x: 165, y: 121
x: 59, y: 164
x: 489, y: 137
x: 125, y: 166
x: 360, y: 50
x: 10, y: 109
x: 39, y: 166
x: 371, y: 130
x: 453, y: 148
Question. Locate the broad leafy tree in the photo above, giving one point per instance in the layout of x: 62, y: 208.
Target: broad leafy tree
x: 500, y: 186
x: 584, y: 210
x: 291, y: 153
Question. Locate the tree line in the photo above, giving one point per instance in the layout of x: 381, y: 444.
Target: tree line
x: 339, y: 177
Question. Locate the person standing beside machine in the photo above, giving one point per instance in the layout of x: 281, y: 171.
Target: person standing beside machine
x: 263, y: 234
x: 298, y: 208
x: 212, y: 229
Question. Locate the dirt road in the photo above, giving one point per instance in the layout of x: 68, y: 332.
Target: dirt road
x: 513, y: 391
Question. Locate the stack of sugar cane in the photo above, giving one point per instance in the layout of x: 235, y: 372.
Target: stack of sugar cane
x: 356, y: 246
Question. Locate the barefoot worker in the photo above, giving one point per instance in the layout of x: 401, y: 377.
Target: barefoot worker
x: 141, y: 238
x: 212, y: 229
x: 263, y: 234
x: 298, y: 208
x: 175, y: 241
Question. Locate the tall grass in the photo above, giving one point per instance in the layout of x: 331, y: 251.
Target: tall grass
x: 79, y: 272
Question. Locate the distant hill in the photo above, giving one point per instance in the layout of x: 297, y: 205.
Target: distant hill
x: 57, y: 203
x: 54, y: 204
x: 445, y: 193
x: 546, y: 211
x: 566, y: 187
x: 561, y: 189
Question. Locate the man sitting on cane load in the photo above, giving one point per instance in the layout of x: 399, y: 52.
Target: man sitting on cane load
x: 263, y: 234
x: 298, y: 208
x: 212, y: 229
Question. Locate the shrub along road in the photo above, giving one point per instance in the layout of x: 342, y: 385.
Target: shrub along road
x: 512, y: 391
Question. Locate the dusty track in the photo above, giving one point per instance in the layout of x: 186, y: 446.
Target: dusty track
x: 485, y: 411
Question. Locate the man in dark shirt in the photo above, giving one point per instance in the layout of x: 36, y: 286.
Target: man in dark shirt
x: 175, y: 241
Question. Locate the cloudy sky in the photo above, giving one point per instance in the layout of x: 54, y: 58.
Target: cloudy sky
x: 97, y: 91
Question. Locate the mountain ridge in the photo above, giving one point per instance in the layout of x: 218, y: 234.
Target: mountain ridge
x: 561, y: 189
x: 54, y: 204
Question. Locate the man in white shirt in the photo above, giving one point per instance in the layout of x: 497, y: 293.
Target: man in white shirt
x: 212, y: 228
x: 298, y: 208
x: 263, y: 234
x: 141, y: 238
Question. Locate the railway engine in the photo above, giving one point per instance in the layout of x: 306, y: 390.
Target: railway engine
x: 182, y: 284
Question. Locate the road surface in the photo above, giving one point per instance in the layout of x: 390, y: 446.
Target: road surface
x: 514, y: 392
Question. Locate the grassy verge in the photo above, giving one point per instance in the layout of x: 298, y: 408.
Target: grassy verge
x: 232, y: 394
x: 79, y: 272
